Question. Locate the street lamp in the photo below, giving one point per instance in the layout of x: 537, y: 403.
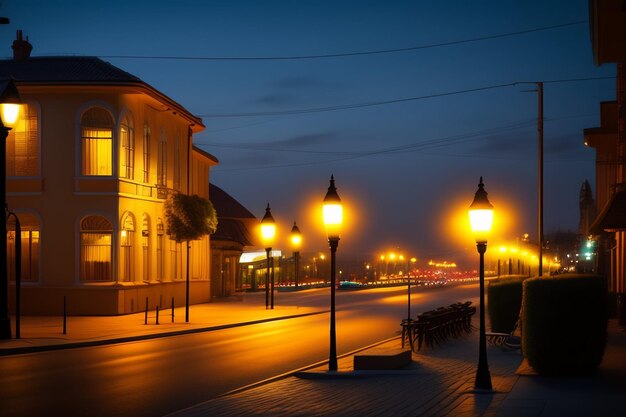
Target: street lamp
x: 10, y: 100
x: 296, y: 241
x: 333, y: 216
x: 481, y: 218
x: 268, y: 232
x: 408, y: 290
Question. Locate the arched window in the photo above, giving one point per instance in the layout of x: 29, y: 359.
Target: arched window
x: 162, y: 165
x: 29, y: 225
x: 95, y: 249
x: 127, y: 235
x: 146, y: 153
x: 22, y: 144
x: 127, y: 148
x: 145, y: 247
x: 97, y: 142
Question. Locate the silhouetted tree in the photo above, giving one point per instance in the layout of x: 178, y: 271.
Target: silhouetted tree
x: 187, y: 218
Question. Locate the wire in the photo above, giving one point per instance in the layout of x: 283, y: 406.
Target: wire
x: 343, y: 54
x: 354, y: 105
x: 392, y: 101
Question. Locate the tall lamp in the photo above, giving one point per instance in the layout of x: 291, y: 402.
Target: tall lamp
x: 296, y: 241
x: 10, y: 100
x: 268, y: 232
x: 333, y: 217
x: 481, y: 218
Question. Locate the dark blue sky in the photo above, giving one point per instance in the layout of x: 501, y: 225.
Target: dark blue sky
x: 402, y: 165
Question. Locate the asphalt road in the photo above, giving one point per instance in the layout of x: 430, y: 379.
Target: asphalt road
x: 159, y: 376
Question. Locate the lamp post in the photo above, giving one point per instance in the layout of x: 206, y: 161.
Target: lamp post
x: 481, y: 218
x: 268, y: 232
x: 333, y: 216
x: 408, y: 291
x: 296, y: 241
x: 10, y: 100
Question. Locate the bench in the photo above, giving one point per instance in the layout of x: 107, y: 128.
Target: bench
x: 436, y: 326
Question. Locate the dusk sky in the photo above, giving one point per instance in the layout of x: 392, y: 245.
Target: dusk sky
x: 404, y: 138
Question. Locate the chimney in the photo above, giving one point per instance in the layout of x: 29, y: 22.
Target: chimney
x: 21, y: 48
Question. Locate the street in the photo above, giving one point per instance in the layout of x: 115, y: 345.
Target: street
x: 155, y: 377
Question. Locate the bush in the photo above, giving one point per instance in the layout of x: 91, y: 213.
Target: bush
x: 564, y: 323
x: 504, y: 296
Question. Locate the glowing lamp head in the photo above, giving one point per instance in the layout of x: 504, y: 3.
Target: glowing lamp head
x: 296, y: 237
x: 10, y: 102
x: 332, y: 211
x: 268, y: 227
x: 481, y: 214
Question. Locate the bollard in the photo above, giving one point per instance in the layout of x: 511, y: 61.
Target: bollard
x: 157, y: 314
x: 145, y: 320
x: 64, y: 316
x: 172, y: 309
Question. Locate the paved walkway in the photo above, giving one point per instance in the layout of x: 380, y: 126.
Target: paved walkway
x: 439, y: 382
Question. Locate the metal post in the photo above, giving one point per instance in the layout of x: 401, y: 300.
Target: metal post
x: 18, y: 274
x: 187, y: 287
x: 332, y: 361
x: 483, y: 378
x: 64, y: 315
x: 540, y: 176
x: 408, y: 297
x: 5, y: 320
x: 145, y: 319
x: 172, y: 309
x: 296, y: 266
x: 157, y: 314
x: 267, y: 278
x: 498, y: 267
x: 272, y: 285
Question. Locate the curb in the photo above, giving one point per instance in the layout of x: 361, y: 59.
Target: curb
x: 102, y: 342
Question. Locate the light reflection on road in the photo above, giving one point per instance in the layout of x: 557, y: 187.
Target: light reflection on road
x: 155, y: 377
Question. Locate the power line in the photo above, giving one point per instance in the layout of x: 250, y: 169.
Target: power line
x: 392, y: 101
x: 354, y: 105
x: 343, y: 54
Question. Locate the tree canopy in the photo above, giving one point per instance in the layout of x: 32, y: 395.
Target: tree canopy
x: 189, y: 217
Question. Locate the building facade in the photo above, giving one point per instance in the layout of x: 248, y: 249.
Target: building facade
x: 608, y: 34
x: 92, y: 158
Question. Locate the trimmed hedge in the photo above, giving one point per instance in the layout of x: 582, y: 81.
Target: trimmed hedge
x: 564, y: 323
x: 504, y: 296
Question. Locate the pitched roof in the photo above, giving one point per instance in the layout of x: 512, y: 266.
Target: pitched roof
x: 66, y: 69
x: 233, y: 230
x: 226, y: 206
x: 81, y: 70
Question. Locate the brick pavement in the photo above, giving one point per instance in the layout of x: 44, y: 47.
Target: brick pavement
x: 439, y: 382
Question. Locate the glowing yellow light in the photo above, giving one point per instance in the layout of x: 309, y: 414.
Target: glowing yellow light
x: 332, y: 211
x: 268, y: 228
x: 124, y: 233
x: 322, y: 257
x: 413, y: 260
x: 392, y: 256
x: 503, y: 249
x: 296, y: 236
x: 10, y: 112
x: 382, y: 257
x: 481, y: 214
x: 401, y: 257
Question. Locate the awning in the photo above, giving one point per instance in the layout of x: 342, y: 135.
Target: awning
x: 613, y: 216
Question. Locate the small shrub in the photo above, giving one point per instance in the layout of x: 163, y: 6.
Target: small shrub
x: 504, y: 296
x: 564, y: 323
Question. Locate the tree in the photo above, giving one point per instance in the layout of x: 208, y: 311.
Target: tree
x: 187, y: 218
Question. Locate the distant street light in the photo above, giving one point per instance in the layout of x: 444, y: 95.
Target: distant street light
x: 481, y: 218
x: 333, y: 217
x: 268, y: 233
x: 296, y: 241
x: 10, y: 101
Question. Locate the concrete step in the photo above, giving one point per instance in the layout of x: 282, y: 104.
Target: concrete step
x: 381, y: 359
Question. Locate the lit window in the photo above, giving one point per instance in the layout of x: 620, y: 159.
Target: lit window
x: 97, y: 142
x: 29, y: 225
x: 22, y: 145
x: 162, y: 166
x: 146, y: 154
x: 127, y: 149
x: 95, y: 249
x: 126, y: 247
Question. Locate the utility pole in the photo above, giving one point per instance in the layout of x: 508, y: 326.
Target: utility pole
x: 540, y: 176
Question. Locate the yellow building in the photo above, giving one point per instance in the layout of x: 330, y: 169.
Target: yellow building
x: 89, y: 165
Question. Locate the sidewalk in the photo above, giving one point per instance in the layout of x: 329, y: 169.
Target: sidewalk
x: 439, y: 382
x: 40, y: 333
